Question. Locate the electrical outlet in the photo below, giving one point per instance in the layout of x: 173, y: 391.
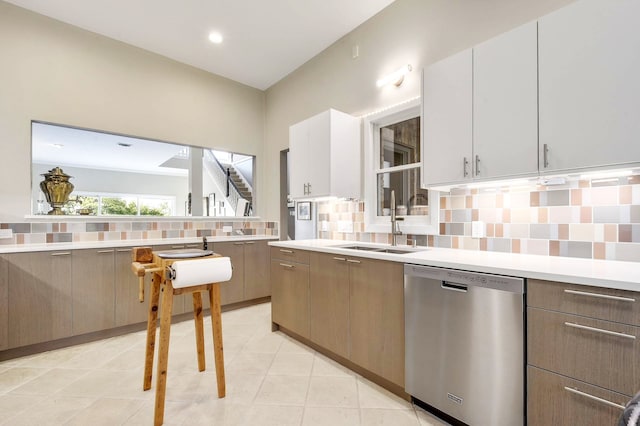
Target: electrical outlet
x: 227, y: 228
x: 478, y: 229
x: 6, y: 233
x: 324, y: 225
x: 345, y: 226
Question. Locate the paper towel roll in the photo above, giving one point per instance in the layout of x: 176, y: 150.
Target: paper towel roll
x: 201, y: 271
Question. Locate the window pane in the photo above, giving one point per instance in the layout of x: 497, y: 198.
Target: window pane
x: 119, y: 206
x: 155, y: 207
x: 82, y: 205
x: 400, y: 143
x: 411, y: 200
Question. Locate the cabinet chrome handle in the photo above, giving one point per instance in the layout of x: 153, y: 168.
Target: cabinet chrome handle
x: 123, y: 250
x: 600, y: 296
x: 177, y: 247
x: 353, y: 261
x: 285, y: 265
x: 600, y: 330
x: 62, y: 253
x: 286, y: 251
x: 477, y: 165
x: 545, y: 155
x: 595, y: 398
x: 465, y: 163
x: 105, y: 251
x: 193, y: 245
x: 238, y: 244
x: 342, y: 259
x: 250, y: 242
x: 308, y: 189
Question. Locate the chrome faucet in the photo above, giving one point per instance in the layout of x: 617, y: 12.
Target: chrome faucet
x: 394, y: 220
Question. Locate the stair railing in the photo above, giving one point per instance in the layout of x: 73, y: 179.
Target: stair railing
x: 220, y: 175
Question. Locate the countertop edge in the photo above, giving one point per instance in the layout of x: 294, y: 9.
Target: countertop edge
x: 592, y: 272
x: 27, y: 248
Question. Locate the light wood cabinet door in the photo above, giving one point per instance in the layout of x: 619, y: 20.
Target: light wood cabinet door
x: 329, y: 302
x: 290, y: 296
x: 40, y: 300
x: 181, y: 303
x: 552, y: 400
x: 447, y: 120
x: 588, y: 85
x: 129, y: 310
x: 376, y: 317
x: 256, y: 270
x: 4, y: 303
x: 93, y: 290
x: 505, y: 105
x: 232, y: 291
x: 599, y: 352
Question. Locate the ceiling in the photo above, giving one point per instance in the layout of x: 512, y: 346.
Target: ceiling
x: 264, y: 40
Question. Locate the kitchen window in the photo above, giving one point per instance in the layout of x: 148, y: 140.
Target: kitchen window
x: 105, y: 204
x: 393, y: 162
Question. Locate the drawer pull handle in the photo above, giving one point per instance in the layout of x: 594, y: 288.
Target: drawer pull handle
x: 595, y: 398
x: 601, y: 296
x: 177, y: 247
x: 250, y: 242
x: 599, y: 330
x: 62, y: 253
x: 287, y: 266
x: 286, y: 251
x: 342, y: 259
x: 123, y: 250
x: 105, y: 251
x: 353, y: 261
x: 238, y: 244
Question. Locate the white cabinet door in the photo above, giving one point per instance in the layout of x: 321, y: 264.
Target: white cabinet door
x: 298, y: 159
x: 589, y: 59
x: 505, y: 105
x: 446, y: 120
x: 319, y: 155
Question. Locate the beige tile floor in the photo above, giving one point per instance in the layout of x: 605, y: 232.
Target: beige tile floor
x: 271, y: 380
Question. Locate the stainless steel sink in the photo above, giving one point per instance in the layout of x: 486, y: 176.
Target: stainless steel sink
x: 391, y: 250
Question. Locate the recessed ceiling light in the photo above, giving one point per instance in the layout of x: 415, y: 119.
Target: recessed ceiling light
x: 215, y: 37
x: 126, y: 145
x: 57, y: 145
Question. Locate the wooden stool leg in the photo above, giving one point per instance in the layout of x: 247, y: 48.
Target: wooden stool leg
x: 152, y: 319
x: 163, y: 351
x: 216, y: 323
x: 197, y: 318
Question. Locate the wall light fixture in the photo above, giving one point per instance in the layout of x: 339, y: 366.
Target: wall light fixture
x: 396, y: 78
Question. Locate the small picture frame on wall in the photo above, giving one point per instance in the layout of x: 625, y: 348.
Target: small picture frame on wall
x: 304, y: 210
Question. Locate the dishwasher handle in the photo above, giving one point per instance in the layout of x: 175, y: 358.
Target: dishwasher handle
x: 446, y: 285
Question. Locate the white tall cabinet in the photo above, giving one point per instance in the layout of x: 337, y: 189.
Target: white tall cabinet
x: 505, y: 116
x: 589, y: 85
x: 446, y: 120
x: 324, y: 156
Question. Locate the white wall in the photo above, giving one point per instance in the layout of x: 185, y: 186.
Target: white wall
x: 54, y: 72
x: 419, y: 32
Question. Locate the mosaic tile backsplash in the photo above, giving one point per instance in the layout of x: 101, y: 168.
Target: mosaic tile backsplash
x: 96, y: 230
x: 598, y: 219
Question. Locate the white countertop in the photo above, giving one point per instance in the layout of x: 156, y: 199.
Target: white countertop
x: 598, y: 273
x: 25, y: 248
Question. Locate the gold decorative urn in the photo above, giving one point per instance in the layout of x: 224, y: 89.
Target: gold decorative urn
x: 56, y: 188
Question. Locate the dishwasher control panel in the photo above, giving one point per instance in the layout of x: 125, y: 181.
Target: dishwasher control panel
x: 467, y: 278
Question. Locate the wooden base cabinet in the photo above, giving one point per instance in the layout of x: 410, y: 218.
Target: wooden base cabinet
x: 290, y: 291
x: 553, y: 399
x: 232, y: 291
x: 129, y: 310
x: 329, y: 302
x: 376, y: 317
x: 250, y: 260
x: 39, y: 297
x: 582, y: 351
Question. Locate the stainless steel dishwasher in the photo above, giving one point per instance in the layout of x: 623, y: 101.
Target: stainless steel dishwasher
x: 465, y: 347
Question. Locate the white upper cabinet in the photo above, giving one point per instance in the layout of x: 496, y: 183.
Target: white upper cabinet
x: 324, y: 156
x: 446, y: 120
x: 589, y: 86
x: 505, y: 105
